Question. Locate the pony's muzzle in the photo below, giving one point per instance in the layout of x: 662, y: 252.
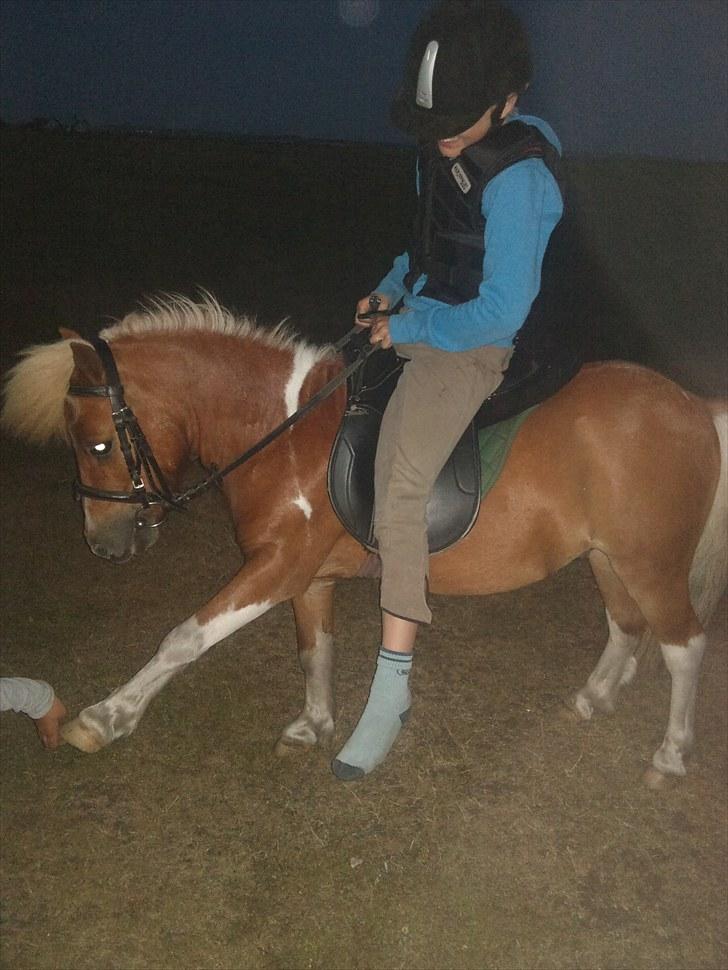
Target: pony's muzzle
x: 122, y: 532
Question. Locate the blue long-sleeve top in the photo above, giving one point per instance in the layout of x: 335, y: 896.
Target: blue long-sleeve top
x: 521, y: 206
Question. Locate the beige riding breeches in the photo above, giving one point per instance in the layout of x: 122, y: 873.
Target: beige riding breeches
x: 436, y: 397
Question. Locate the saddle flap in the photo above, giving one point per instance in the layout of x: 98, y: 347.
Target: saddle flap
x: 453, y: 505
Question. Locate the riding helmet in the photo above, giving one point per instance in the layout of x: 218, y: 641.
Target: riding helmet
x: 466, y: 56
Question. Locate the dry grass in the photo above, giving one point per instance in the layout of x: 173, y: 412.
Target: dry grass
x: 496, y: 835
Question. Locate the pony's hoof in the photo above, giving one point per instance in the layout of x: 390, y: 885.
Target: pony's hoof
x: 657, y: 780
x: 576, y: 709
x: 81, y: 737
x: 567, y: 712
x: 285, y: 747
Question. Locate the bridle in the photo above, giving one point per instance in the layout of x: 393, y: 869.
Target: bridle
x: 150, y: 489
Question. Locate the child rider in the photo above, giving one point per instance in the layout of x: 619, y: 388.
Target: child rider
x: 488, y: 203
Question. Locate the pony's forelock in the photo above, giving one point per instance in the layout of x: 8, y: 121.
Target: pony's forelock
x: 34, y: 392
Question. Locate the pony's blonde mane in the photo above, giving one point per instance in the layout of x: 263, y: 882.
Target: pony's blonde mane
x: 172, y: 313
x: 36, y: 387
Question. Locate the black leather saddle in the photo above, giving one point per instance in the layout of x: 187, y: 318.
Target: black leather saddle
x: 455, y: 500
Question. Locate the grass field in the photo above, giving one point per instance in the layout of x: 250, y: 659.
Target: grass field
x: 497, y: 835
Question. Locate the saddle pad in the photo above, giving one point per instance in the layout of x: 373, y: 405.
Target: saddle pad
x: 494, y: 443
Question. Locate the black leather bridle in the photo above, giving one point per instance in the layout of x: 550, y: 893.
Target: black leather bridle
x: 150, y: 488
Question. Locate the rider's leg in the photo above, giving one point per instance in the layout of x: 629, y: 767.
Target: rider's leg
x: 432, y: 406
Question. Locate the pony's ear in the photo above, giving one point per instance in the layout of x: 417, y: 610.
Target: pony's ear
x: 69, y: 334
x: 87, y: 369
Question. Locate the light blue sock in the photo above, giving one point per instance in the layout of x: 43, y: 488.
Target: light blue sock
x: 386, y: 711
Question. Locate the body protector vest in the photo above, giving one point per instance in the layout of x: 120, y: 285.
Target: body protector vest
x: 448, y: 243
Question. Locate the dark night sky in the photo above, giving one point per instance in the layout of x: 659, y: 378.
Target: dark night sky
x: 634, y: 77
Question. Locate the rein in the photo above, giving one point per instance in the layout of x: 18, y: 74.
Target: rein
x: 150, y: 488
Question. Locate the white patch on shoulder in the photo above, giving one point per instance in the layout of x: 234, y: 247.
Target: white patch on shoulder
x: 231, y: 620
x: 304, y: 357
x: 304, y: 505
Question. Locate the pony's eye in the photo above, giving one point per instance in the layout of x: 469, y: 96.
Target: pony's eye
x: 100, y: 449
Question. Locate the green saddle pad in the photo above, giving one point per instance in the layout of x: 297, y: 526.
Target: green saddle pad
x: 495, y: 442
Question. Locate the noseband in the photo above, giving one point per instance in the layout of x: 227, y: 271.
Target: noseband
x: 150, y: 488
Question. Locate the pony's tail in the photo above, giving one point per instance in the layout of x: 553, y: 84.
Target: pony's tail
x: 709, y: 572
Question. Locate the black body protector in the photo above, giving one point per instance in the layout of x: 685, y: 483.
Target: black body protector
x: 449, y: 227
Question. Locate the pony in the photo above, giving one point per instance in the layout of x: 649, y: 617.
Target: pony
x: 621, y: 465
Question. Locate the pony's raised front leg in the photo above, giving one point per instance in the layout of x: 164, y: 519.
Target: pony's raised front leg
x: 119, y: 714
x: 241, y: 601
x: 313, y: 611
x: 683, y: 662
x: 616, y: 667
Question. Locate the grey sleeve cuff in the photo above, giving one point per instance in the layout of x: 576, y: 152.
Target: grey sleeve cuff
x: 31, y: 697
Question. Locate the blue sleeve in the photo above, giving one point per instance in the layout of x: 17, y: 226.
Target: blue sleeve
x: 392, y: 285
x: 521, y: 206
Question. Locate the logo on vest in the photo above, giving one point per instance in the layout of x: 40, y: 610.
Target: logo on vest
x: 458, y: 173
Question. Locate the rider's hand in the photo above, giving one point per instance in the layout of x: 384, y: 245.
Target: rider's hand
x: 373, y: 301
x: 379, y: 333
x: 378, y: 325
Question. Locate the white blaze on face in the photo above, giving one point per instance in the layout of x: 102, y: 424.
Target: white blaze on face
x: 303, y: 360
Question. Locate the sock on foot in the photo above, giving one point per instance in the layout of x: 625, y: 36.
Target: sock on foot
x: 382, y: 719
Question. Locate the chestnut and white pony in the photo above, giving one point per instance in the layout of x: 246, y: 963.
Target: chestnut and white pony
x: 621, y: 465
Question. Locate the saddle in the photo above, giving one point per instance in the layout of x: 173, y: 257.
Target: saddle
x: 455, y: 499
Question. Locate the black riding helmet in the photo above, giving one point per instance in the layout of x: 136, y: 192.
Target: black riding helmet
x: 464, y: 57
